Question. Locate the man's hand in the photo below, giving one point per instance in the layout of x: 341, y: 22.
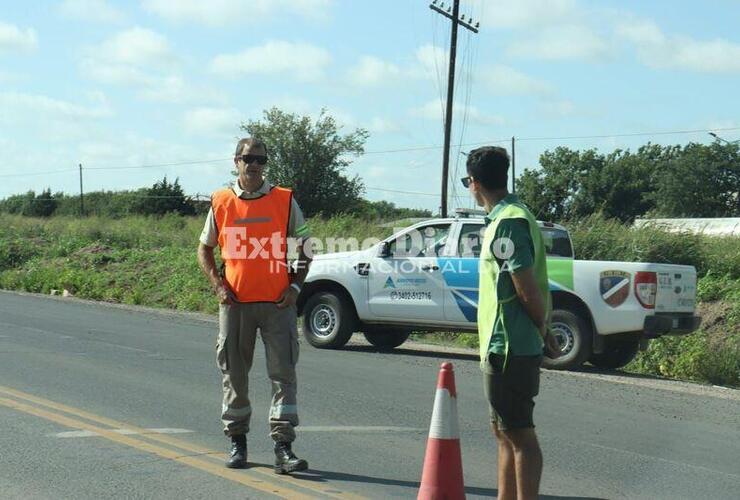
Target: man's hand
x: 287, y: 298
x: 225, y: 295
x: 552, y: 346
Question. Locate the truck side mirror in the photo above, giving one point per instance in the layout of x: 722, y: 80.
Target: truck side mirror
x: 385, y: 249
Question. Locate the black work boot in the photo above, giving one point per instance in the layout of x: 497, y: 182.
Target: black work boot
x: 238, y: 455
x: 286, y: 461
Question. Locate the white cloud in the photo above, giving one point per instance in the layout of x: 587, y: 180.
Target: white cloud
x: 380, y: 125
x: 114, y: 74
x: 433, y: 60
x: 9, y: 77
x: 641, y: 32
x: 211, y: 121
x: 374, y: 71
x: 560, y: 109
x: 13, y: 38
x: 302, y: 61
x: 97, y: 11
x: 658, y: 50
x: 136, y: 46
x: 15, y: 104
x: 517, y: 14
x: 561, y: 43
x: 434, y: 110
x: 143, y: 60
x: 231, y: 12
x: 504, y: 80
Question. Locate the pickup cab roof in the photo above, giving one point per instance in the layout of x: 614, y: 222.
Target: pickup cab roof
x: 475, y: 213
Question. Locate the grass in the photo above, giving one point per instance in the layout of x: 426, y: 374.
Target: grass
x: 151, y: 261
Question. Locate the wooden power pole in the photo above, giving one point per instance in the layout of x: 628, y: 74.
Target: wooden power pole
x: 82, y: 202
x: 453, y: 16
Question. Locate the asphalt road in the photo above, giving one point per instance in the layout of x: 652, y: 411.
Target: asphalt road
x: 98, y: 401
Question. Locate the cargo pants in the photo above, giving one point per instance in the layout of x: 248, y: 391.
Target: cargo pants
x: 238, y: 327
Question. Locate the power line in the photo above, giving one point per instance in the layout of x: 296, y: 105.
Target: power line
x: 155, y: 165
x: 560, y: 138
x: 396, y: 150
x: 192, y: 197
x: 632, y: 134
x: 399, y: 191
x: 47, y: 172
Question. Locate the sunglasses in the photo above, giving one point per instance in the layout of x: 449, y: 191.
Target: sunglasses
x: 258, y: 159
x: 466, y: 181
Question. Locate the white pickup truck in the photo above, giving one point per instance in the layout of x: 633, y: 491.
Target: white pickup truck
x: 425, y: 278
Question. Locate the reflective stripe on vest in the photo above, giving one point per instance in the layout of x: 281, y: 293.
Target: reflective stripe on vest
x: 252, y: 236
x: 489, y: 301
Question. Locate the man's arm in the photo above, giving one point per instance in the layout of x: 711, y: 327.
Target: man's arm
x: 208, y: 265
x: 298, y: 229
x: 530, y: 297
x: 290, y: 295
x: 302, y: 264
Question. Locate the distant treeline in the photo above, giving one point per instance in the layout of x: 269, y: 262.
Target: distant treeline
x: 695, y: 180
x: 162, y: 198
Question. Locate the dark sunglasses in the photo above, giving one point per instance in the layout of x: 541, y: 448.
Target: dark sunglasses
x: 466, y: 181
x: 258, y: 159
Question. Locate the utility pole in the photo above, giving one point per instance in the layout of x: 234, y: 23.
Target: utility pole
x: 82, y: 203
x: 720, y: 139
x: 513, y: 164
x: 453, y: 16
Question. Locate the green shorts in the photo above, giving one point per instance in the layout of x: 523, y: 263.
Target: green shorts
x: 511, y: 392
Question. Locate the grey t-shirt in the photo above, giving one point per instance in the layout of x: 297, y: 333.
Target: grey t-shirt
x: 297, y: 227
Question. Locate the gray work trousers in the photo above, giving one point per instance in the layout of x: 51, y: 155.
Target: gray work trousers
x: 238, y: 327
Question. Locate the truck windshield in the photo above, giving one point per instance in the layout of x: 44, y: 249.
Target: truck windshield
x: 557, y: 242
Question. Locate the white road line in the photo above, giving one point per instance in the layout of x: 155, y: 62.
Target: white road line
x: 125, y: 432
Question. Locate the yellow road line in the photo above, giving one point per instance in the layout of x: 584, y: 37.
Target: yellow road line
x: 156, y: 450
x: 327, y: 491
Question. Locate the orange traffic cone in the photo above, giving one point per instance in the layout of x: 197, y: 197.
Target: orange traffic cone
x: 442, y: 477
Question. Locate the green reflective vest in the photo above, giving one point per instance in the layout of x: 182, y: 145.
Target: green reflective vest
x: 489, y: 300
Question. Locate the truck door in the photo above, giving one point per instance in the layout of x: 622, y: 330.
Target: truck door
x: 460, y: 273
x: 408, y: 284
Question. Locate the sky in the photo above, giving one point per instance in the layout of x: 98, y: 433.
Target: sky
x: 136, y: 90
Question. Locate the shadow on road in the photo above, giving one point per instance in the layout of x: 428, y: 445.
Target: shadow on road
x: 322, y: 476
x: 410, y: 351
x: 428, y: 351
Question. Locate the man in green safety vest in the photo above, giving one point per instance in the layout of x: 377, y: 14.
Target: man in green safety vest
x: 513, y: 316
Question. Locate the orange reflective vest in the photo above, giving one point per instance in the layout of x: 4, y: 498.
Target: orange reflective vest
x: 252, y: 236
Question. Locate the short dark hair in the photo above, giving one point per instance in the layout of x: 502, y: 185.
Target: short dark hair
x: 251, y: 142
x: 489, y: 165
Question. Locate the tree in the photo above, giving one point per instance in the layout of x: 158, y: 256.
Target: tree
x: 30, y: 204
x: 164, y: 197
x: 550, y: 191
x: 701, y: 181
x: 670, y: 181
x: 621, y: 184
x: 311, y: 158
x: 44, y: 205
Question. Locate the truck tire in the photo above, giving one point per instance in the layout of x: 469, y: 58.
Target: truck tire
x: 575, y: 337
x: 618, y: 354
x: 386, y: 338
x: 328, y: 320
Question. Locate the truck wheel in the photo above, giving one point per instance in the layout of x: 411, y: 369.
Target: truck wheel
x: 328, y: 320
x: 617, y: 354
x: 386, y: 338
x: 575, y: 337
